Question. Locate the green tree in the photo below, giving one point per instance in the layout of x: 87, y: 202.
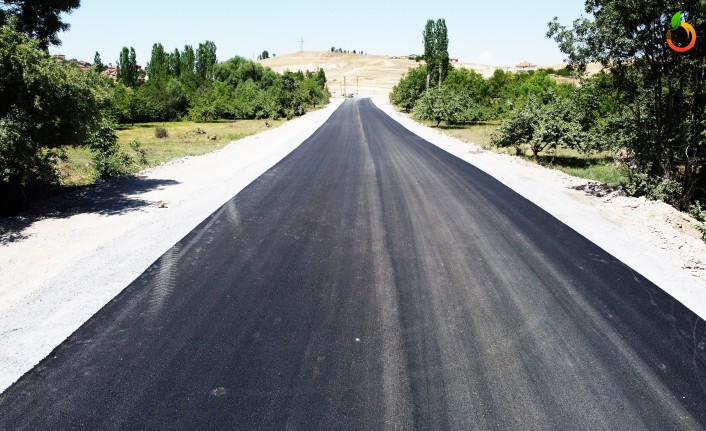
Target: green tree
x: 98, y: 63
x: 44, y: 106
x: 312, y: 92
x: 187, y: 71
x: 410, y: 88
x: 439, y: 104
x: 541, y: 126
x: 321, y: 78
x: 175, y: 64
x: 127, y: 72
x: 429, y: 39
x: 158, y: 67
x: 265, y: 55
x: 206, y: 61
x: 436, y: 51
x: 39, y: 19
x: 441, y: 48
x: 661, y: 93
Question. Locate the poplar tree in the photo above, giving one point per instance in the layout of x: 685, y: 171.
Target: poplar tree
x: 158, y: 67
x: 175, y: 64
x: 127, y: 67
x: 429, y: 49
x: 441, y: 48
x: 206, y: 61
x: 436, y: 51
x: 98, y: 63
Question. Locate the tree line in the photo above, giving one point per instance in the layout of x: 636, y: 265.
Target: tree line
x: 648, y: 105
x: 192, y: 84
x: 47, y: 106
x: 465, y: 96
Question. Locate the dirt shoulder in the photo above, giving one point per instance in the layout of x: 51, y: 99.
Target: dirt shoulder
x: 652, y: 238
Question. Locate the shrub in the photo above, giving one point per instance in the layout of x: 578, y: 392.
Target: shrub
x: 698, y: 211
x: 161, y: 133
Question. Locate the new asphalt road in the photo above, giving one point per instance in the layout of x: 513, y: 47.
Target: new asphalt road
x: 372, y: 281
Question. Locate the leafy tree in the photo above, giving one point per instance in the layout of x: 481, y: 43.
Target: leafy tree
x: 98, y: 63
x: 321, y: 78
x: 468, y: 82
x: 441, y: 48
x: 410, y: 88
x: 245, y: 100
x: 439, y: 104
x: 206, y: 61
x: 158, y: 67
x: 265, y: 55
x: 212, y: 102
x: 39, y: 19
x: 436, y: 51
x: 429, y: 39
x: 237, y: 70
x: 661, y: 93
x: 187, y: 71
x: 312, y: 92
x: 44, y: 106
x: 541, y: 126
x: 175, y: 64
x: 127, y: 73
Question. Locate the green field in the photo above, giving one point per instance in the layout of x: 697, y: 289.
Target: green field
x: 182, y: 141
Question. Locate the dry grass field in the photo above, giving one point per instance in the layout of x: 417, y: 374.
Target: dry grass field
x: 366, y: 75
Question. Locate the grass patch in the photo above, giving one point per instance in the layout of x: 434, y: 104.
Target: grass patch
x: 478, y: 133
x: 597, y: 167
x: 182, y: 141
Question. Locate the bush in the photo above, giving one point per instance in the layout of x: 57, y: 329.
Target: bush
x: 161, y: 133
x: 141, y: 153
x: 541, y: 126
x: 439, y: 104
x: 698, y: 211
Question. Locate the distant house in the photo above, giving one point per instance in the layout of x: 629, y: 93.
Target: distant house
x: 111, y: 72
x: 525, y: 66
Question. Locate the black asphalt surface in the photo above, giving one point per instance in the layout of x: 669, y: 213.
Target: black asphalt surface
x: 372, y: 281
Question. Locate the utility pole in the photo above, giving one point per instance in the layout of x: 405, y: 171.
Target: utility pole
x: 345, y: 92
x: 357, y: 88
x: 301, y: 44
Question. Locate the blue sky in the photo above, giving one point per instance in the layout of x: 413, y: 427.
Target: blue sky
x: 377, y: 27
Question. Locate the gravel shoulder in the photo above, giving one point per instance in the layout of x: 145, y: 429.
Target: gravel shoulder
x: 62, y: 262
x: 652, y: 238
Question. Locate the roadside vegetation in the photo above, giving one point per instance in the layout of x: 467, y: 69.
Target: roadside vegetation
x: 639, y: 123
x: 61, y: 124
x: 145, y: 149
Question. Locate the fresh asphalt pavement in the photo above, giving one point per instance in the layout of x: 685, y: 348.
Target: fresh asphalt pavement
x: 373, y: 281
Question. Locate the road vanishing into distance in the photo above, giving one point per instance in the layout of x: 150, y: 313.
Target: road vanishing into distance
x: 372, y: 281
